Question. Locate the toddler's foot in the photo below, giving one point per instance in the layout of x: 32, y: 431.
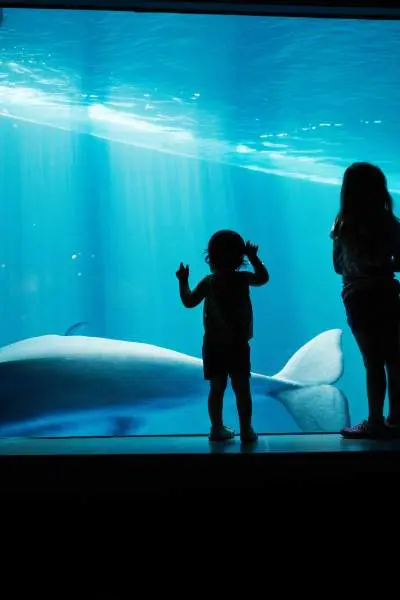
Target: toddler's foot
x: 393, y: 427
x: 221, y: 434
x: 248, y: 436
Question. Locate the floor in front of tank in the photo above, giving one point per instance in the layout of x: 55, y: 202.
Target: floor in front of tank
x: 189, y: 444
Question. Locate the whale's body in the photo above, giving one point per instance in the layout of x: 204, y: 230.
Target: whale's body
x: 55, y: 375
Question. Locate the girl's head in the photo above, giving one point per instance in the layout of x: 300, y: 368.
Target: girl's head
x: 364, y: 192
x: 226, y: 251
x: 365, y: 202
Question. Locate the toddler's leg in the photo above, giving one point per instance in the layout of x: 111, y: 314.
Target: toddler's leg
x: 215, y: 409
x: 244, y: 402
x: 216, y: 400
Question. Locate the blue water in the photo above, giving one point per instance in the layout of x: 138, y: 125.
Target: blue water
x: 128, y: 139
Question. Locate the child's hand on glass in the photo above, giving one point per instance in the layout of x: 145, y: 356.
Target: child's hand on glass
x: 183, y: 273
x: 251, y: 251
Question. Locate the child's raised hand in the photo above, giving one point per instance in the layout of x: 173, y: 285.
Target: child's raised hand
x: 183, y: 273
x: 251, y: 250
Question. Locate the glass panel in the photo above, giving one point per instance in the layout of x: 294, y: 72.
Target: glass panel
x: 127, y: 140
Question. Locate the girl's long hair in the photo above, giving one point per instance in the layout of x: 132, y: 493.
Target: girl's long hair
x: 366, y: 215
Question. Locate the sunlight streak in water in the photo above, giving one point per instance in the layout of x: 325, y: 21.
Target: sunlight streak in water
x: 101, y: 113
x: 275, y: 154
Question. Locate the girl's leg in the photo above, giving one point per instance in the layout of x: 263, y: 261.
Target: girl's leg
x: 393, y: 371
x: 370, y: 344
x: 392, y: 346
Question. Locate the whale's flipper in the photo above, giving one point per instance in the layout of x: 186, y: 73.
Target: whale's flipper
x: 321, y: 408
x: 75, y: 327
x: 95, y: 422
x: 318, y: 362
x: 125, y: 425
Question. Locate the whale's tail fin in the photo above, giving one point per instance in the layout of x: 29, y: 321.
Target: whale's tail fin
x: 318, y: 362
x: 316, y: 405
x: 317, y: 409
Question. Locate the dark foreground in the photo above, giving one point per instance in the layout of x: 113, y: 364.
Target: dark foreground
x: 189, y: 466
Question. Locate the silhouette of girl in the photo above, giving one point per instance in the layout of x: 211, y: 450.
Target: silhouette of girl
x: 366, y: 252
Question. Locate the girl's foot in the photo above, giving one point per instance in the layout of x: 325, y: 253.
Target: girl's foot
x: 248, y: 436
x: 221, y: 434
x: 366, y: 430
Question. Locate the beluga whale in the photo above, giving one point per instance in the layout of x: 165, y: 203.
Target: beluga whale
x: 60, y: 378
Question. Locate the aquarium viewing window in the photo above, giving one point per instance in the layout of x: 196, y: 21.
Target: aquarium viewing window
x: 128, y: 138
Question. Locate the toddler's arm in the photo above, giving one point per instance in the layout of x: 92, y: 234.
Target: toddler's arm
x: 260, y: 275
x: 190, y: 298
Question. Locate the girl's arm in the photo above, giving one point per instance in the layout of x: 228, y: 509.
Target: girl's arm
x: 396, y: 250
x: 337, y: 263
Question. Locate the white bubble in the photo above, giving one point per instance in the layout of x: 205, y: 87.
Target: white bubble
x: 243, y: 149
x: 79, y: 274
x: 74, y: 256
